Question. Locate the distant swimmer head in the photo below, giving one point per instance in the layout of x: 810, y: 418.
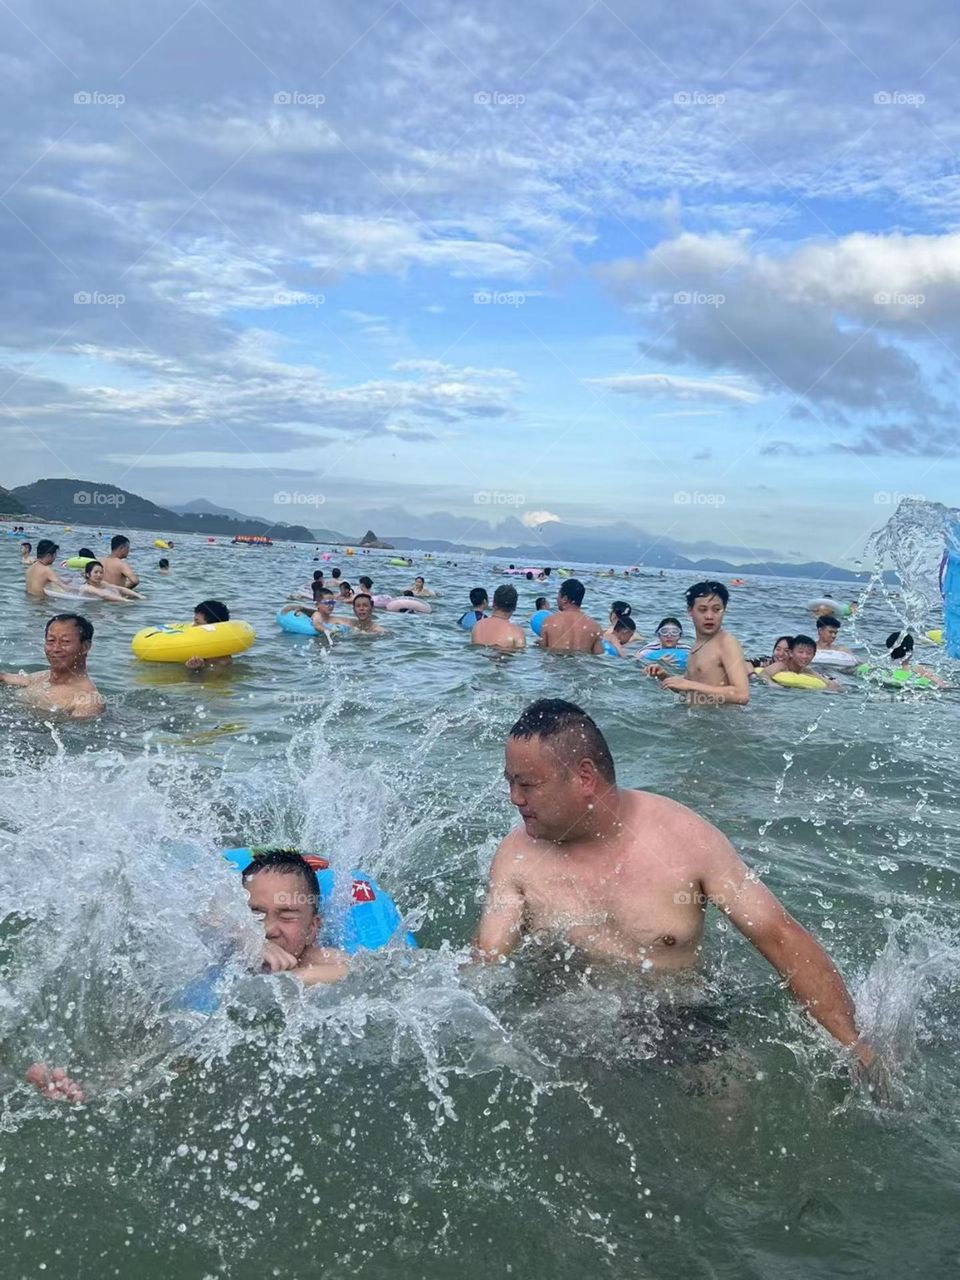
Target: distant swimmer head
x: 624, y: 627
x: 365, y: 582
x: 899, y: 644
x: 571, y: 593
x: 802, y: 651
x: 163, y: 564
x: 620, y: 609
x: 669, y: 632
x: 478, y: 598
x: 346, y: 591
x: 557, y: 766
x: 284, y: 893
x: 93, y: 572
x: 542, y: 603
x: 706, y: 604
x: 26, y: 547
x: 335, y: 574
x: 827, y: 629
x: 318, y: 576
x: 505, y: 598
x: 46, y: 549
x: 85, y: 554
x: 120, y: 546
x: 210, y: 611
x: 529, y: 575
x: 420, y: 582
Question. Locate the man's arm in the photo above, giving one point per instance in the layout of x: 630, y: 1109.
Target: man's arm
x: 132, y: 579
x: 19, y: 680
x: 796, y: 955
x: 501, y: 924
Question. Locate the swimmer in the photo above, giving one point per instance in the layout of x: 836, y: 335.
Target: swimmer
x: 363, y: 613
x: 284, y: 894
x: 497, y: 630
x: 366, y: 584
x: 65, y: 686
x: 899, y: 646
x: 716, y: 673
x: 26, y: 556
x: 800, y: 653
x: 827, y: 629
x: 163, y: 566
x: 205, y: 614
x: 624, y: 876
x: 116, y: 571
x: 420, y: 589
x: 541, y: 603
x: 620, y: 609
x: 40, y: 574
x: 571, y: 630
x: 669, y: 633
x: 93, y: 585
x: 622, y: 633
x: 321, y: 613
x: 479, y: 602
x: 346, y: 591
x: 781, y: 649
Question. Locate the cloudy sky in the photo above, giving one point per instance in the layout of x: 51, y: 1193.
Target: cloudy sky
x: 693, y: 267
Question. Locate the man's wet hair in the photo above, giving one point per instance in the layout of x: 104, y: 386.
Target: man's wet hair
x: 213, y: 610
x: 478, y: 596
x: 569, y: 732
x: 542, y: 603
x: 572, y: 589
x: 84, y: 625
x: 505, y: 597
x: 288, y: 863
x: 85, y: 551
x: 700, y: 589
x: 163, y: 563
x: 119, y: 540
x: 801, y: 642
x: 46, y: 547
x: 318, y: 575
x: 899, y: 643
x: 335, y: 574
x: 365, y: 582
x: 621, y: 608
x: 625, y: 623
x: 670, y: 622
x: 828, y: 620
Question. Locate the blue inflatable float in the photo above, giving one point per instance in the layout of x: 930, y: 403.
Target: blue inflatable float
x: 676, y: 656
x: 951, y: 592
x: 470, y: 619
x: 297, y: 624
x: 538, y: 619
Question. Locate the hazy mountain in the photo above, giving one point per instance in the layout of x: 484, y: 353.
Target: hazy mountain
x: 201, y: 507
x: 9, y: 505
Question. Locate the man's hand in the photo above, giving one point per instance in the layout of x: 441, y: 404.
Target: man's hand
x: 55, y: 1085
x: 194, y: 664
x: 676, y: 684
x: 871, y: 1073
x: 276, y: 960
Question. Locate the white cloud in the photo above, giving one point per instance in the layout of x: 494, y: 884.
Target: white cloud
x: 665, y: 384
x: 533, y: 519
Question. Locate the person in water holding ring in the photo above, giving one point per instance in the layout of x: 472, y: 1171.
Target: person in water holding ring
x: 669, y: 633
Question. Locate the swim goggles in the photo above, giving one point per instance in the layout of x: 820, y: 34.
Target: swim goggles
x: 669, y: 631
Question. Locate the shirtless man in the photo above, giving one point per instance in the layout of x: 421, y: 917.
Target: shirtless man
x: 65, y: 686
x: 26, y: 554
x: 800, y: 653
x: 116, y: 571
x: 40, y: 574
x: 497, y: 630
x: 284, y: 893
x: 570, y: 630
x: 363, y: 612
x: 828, y: 651
x: 624, y: 876
x: 716, y: 673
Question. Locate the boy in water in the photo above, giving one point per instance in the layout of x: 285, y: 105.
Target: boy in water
x: 716, y: 673
x: 801, y: 651
x: 206, y: 614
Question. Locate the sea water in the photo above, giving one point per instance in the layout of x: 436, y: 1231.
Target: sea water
x: 424, y: 1119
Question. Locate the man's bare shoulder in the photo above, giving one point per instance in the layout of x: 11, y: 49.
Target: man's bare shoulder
x: 516, y: 851
x: 691, y: 836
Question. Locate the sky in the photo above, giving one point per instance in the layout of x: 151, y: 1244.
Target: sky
x: 695, y: 268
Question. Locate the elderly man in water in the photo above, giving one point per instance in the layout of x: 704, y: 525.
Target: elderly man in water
x: 624, y: 876
x: 65, y: 685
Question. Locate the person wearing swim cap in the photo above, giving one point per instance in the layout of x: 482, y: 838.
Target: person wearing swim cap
x: 800, y: 653
x: 570, y: 630
x: 623, y: 877
x: 40, y: 574
x: 497, y: 630
x: 716, y: 673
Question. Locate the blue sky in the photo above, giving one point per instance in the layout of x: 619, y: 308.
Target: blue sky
x: 697, y: 271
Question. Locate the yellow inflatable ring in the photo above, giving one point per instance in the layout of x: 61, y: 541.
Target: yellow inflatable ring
x: 178, y: 641
x: 161, y: 545
x: 794, y: 680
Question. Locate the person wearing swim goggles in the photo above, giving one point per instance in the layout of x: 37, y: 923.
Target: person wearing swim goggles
x: 668, y: 635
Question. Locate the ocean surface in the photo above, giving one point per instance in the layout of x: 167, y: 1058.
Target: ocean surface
x: 423, y: 1119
